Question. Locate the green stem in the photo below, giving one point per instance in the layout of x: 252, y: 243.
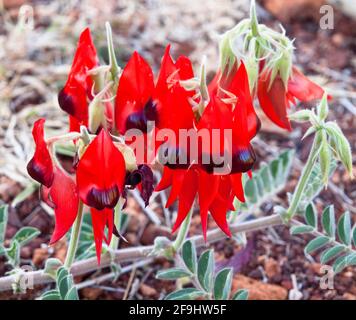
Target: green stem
x: 253, y: 17
x: 183, y: 231
x: 298, y: 193
x: 74, y: 237
x: 117, y: 221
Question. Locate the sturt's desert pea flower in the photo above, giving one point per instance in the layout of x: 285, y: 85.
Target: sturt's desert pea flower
x: 74, y: 97
x: 229, y: 108
x: 101, y: 176
x: 275, y: 96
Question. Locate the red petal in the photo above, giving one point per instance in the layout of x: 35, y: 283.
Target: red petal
x: 73, y: 97
x: 236, y: 183
x: 65, y: 198
x: 40, y: 166
x: 186, y: 197
x: 101, y: 173
x: 273, y: 101
x: 303, y: 88
x: 134, y: 92
x: 177, y: 183
x: 99, y: 221
x: 166, y: 180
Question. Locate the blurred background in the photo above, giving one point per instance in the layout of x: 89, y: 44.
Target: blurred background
x: 37, y: 43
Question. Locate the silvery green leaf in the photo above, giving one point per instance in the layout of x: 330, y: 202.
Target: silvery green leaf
x: 311, y: 216
x: 267, y: 179
x: 240, y: 295
x: 72, y: 294
x: 344, y: 261
x: 51, y: 295
x: 185, y: 294
x: 172, y: 274
x: 206, y: 270
x: 222, y: 285
x: 328, y: 221
x: 13, y: 254
x: 307, y: 133
x: 316, y: 244
x: 25, y: 235
x: 294, y: 230
x: 331, y: 253
x: 51, y: 267
x: 251, y: 191
x: 3, y: 222
x: 354, y: 235
x: 189, y: 256
x: 344, y: 228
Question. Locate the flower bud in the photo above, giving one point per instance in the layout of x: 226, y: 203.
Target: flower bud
x: 129, y: 156
x: 301, y: 116
x: 323, y: 108
x: 325, y: 159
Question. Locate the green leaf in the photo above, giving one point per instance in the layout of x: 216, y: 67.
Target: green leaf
x: 328, y: 221
x: 13, y: 254
x: 344, y: 261
x: 241, y: 294
x: 316, y: 244
x: 331, y: 253
x: 51, y: 267
x: 25, y: 235
x: 267, y: 179
x: 251, y: 191
x: 206, y: 270
x: 311, y: 216
x: 172, y: 274
x: 314, y: 185
x: 185, y: 294
x: 72, y: 294
x: 51, y: 295
x: 344, y: 228
x: 3, y: 222
x: 354, y: 235
x: 222, y: 285
x: 189, y: 255
x: 294, y: 230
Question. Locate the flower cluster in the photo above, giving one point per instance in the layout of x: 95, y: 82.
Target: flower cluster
x: 105, y: 103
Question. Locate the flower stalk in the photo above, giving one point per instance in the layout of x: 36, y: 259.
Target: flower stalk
x: 183, y: 232
x: 74, y: 237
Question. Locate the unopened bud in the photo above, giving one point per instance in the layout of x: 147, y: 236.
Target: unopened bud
x: 325, y: 159
x: 323, y: 108
x: 129, y: 156
x: 301, y: 116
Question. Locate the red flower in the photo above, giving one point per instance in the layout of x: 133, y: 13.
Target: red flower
x: 101, y: 173
x: 40, y: 166
x: 73, y: 98
x: 275, y: 98
x: 217, y: 191
x: 134, y: 105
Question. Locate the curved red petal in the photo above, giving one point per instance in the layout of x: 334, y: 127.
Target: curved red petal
x: 303, y: 88
x: 64, y: 196
x: 101, y: 173
x: 186, y: 197
x: 236, y: 184
x: 166, y: 180
x: 273, y: 101
x: 40, y: 167
x: 99, y: 221
x: 133, y: 103
x: 208, y: 188
x: 177, y: 183
x: 73, y: 97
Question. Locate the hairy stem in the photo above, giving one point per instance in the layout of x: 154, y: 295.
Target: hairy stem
x: 183, y: 231
x: 74, y: 237
x: 298, y: 193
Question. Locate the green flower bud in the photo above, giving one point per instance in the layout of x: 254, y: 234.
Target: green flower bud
x: 325, y: 159
x: 323, y: 108
x: 301, y: 116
